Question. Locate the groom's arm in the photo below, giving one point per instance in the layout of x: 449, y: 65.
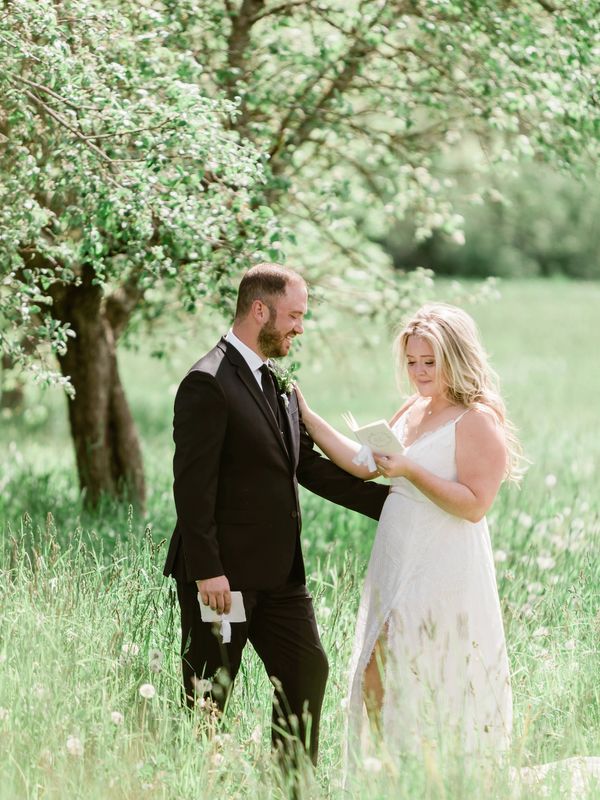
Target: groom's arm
x: 199, y: 426
x: 323, y: 477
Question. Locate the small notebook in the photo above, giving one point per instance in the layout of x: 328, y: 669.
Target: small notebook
x: 377, y: 435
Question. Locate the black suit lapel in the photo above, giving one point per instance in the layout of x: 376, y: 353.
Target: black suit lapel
x: 249, y: 381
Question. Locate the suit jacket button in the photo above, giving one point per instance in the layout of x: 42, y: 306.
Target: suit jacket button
x: 294, y: 514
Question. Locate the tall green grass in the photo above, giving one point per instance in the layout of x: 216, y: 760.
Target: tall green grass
x: 84, y: 605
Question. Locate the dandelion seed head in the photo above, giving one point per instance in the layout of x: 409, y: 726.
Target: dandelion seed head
x: 116, y: 717
x: 545, y: 562
x: 525, y: 520
x: 372, y: 764
x: 147, y: 691
x: 570, y: 644
x: 500, y: 556
x: 550, y: 480
x: 74, y: 746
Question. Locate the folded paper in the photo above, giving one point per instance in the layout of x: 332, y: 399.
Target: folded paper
x: 237, y: 613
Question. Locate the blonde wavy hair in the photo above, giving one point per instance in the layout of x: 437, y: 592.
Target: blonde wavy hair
x: 463, y: 367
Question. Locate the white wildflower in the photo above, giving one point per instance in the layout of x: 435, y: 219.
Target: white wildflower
x: 372, y: 764
x: 550, y: 480
x: 535, y: 588
x: 545, y: 562
x: 570, y: 644
x: 525, y: 520
x: 74, y: 746
x: 147, y: 691
x: 116, y: 717
x: 500, y: 555
x: 4, y: 714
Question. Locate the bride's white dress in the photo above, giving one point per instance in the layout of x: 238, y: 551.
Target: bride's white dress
x: 430, y: 589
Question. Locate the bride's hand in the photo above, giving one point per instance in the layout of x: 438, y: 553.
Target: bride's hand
x: 393, y: 466
x: 305, y: 411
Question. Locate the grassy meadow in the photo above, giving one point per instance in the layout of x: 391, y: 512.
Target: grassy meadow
x: 89, y: 665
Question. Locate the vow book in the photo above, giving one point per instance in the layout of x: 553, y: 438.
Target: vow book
x: 377, y: 435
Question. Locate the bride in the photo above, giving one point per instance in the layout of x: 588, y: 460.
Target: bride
x: 429, y: 664
x: 429, y: 660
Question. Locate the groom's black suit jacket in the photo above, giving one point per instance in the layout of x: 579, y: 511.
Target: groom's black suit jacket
x: 236, y: 479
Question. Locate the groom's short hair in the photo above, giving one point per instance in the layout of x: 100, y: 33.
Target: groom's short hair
x: 264, y: 282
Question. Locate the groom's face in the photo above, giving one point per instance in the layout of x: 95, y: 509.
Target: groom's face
x: 286, y: 318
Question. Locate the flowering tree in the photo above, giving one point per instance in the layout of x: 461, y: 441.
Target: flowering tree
x: 121, y: 187
x: 132, y: 134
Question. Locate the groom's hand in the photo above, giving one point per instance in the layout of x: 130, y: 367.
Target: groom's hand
x: 216, y: 594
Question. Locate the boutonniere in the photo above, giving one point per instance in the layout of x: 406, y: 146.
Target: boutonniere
x: 284, y: 378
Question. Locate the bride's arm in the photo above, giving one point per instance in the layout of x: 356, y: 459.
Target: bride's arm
x: 337, y: 447
x: 480, y: 467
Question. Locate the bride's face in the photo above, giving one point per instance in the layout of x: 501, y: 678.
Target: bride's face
x: 422, y: 371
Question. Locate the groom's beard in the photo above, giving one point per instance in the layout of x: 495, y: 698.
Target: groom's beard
x: 271, y: 341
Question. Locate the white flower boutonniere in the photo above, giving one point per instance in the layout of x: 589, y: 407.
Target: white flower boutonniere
x: 284, y: 378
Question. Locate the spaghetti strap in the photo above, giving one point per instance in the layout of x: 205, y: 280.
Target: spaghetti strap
x: 460, y: 416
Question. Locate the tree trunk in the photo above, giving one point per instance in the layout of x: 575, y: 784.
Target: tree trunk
x: 107, y: 449
x: 12, y: 389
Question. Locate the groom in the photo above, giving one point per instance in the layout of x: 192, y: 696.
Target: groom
x: 240, y: 452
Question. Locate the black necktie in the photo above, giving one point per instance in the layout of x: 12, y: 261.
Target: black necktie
x: 268, y: 387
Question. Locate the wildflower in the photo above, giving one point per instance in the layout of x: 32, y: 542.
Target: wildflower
x: 550, y: 481
x: 74, y: 746
x: 116, y: 717
x: 325, y: 612
x: 535, y: 588
x: 500, y: 555
x: 545, y: 562
x: 372, y: 764
x: 525, y: 520
x: 509, y: 575
x: 155, y: 660
x: 147, y: 691
x: 570, y: 644
x: 4, y: 714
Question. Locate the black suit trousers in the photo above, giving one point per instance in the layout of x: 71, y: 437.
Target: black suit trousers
x: 281, y: 626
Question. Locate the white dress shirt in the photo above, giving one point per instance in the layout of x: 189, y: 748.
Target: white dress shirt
x: 251, y: 358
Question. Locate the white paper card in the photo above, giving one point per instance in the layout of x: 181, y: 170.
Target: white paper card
x: 236, y: 614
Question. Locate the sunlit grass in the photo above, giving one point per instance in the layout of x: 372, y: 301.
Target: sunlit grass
x: 84, y: 605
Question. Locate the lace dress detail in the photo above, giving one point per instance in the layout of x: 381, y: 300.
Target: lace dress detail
x: 430, y: 589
